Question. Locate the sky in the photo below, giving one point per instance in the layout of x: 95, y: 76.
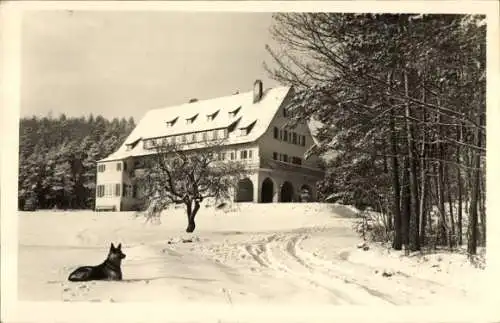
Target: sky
x: 122, y: 64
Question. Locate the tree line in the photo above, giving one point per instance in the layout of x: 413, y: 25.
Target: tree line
x: 402, y: 100
x: 57, y: 158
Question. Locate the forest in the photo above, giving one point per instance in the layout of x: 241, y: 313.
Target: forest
x: 402, y: 102
x: 57, y: 159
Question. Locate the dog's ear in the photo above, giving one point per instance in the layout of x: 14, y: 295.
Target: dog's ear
x: 119, y: 246
x: 112, y: 245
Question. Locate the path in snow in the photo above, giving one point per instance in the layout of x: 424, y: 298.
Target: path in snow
x: 301, y: 255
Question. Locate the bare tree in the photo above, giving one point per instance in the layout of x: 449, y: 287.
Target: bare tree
x: 183, y: 174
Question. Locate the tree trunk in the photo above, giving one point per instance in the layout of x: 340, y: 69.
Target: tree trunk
x: 440, y: 185
x: 423, y: 176
x: 414, y: 239
x: 452, y: 235
x: 191, y: 214
x: 405, y: 205
x: 442, y: 232
x: 459, y: 189
x: 396, y: 210
x: 423, y: 208
x: 482, y: 209
x: 473, y: 221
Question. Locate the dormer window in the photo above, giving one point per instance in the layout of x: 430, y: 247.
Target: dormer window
x: 212, y: 116
x: 132, y: 145
x: 246, y: 130
x: 234, y: 112
x: 191, y: 120
x: 170, y: 123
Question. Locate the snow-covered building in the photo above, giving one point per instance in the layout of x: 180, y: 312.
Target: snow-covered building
x: 253, y: 125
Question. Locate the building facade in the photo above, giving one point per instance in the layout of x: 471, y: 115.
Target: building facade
x: 253, y: 126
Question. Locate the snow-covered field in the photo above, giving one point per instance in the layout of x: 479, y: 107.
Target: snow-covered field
x: 281, y: 254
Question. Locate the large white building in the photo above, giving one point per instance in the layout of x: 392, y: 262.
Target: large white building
x: 254, y: 127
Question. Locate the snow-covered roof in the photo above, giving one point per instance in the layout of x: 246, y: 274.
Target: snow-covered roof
x: 195, y: 117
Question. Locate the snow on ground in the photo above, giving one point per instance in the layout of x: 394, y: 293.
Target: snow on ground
x: 260, y: 254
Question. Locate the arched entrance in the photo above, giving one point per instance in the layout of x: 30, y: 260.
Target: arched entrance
x: 286, y: 192
x: 305, y: 193
x: 244, y: 191
x: 267, y: 191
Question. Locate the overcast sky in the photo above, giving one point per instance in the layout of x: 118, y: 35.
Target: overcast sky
x: 121, y: 64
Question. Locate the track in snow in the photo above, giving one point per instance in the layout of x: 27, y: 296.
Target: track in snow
x: 279, y: 253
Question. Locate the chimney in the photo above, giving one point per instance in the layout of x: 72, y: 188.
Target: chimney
x: 257, y: 91
x: 193, y: 100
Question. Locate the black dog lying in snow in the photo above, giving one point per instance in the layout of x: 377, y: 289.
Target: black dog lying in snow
x: 110, y: 269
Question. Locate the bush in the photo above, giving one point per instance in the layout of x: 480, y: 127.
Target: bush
x: 372, y: 226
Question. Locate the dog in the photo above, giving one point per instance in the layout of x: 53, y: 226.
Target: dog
x: 110, y: 269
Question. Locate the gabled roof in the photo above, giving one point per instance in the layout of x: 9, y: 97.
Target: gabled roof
x: 259, y: 115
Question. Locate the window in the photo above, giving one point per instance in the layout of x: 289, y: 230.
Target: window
x: 290, y: 137
x: 117, y: 189
x: 276, y: 131
x: 118, y: 166
x: 303, y: 140
x: 170, y: 123
x: 275, y: 155
x: 124, y: 166
x: 294, y: 138
x: 223, y: 133
x: 296, y: 160
x: 100, y: 190
x: 232, y: 155
x: 212, y: 116
x: 281, y: 134
x: 101, y: 168
x: 184, y: 139
x: 223, y: 156
x: 243, y: 132
x: 108, y: 190
x: 284, y: 112
x: 250, y: 154
x: 193, y: 137
x: 191, y: 120
x: 215, y: 133
x: 243, y: 154
x: 285, y: 135
x: 234, y: 112
x: 285, y: 158
x: 205, y: 136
